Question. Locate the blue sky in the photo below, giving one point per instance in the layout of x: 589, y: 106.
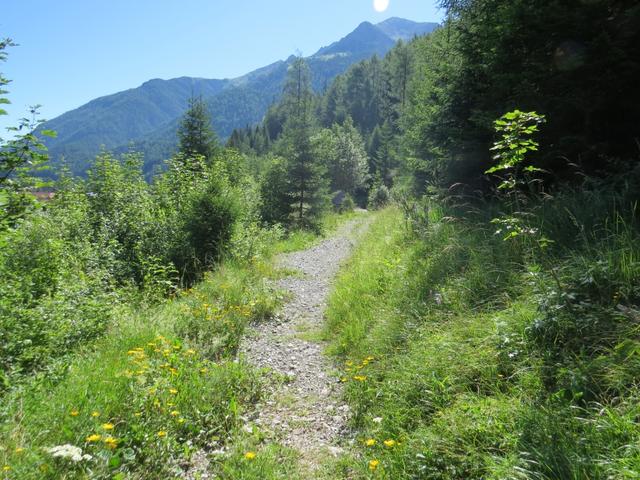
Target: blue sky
x: 73, y: 51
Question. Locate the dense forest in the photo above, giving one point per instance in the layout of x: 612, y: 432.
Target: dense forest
x: 491, y: 312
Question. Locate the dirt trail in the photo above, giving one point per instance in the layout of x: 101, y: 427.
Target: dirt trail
x: 306, y: 411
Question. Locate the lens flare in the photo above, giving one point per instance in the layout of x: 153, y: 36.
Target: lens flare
x: 380, y: 5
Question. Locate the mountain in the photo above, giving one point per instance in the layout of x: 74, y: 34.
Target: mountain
x: 366, y: 38
x: 401, y: 29
x: 146, y: 118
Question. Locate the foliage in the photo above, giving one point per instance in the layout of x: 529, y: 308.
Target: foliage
x: 516, y: 128
x: 133, y: 399
x: 493, y: 56
x: 276, y: 205
x: 341, y: 148
x: 208, y: 221
x: 466, y: 355
x: 21, y: 158
x: 379, y: 196
x: 511, y: 149
x: 305, y: 174
x: 195, y: 133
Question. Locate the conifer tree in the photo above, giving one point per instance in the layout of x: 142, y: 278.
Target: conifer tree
x: 305, y: 172
x: 195, y: 133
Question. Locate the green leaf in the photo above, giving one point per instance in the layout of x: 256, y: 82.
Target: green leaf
x: 49, y: 133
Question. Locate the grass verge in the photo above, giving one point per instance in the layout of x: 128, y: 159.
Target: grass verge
x: 462, y: 359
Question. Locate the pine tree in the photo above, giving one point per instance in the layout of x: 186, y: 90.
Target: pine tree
x: 195, y: 133
x: 384, y: 154
x: 305, y: 172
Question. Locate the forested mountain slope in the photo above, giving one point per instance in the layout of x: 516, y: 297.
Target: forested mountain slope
x: 146, y: 118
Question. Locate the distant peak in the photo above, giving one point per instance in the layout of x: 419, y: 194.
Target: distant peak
x: 395, y: 20
x: 402, y: 29
x: 366, y: 37
x: 365, y: 24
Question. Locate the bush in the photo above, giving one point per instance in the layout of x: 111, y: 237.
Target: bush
x: 378, y: 197
x: 207, y: 223
x: 53, y: 296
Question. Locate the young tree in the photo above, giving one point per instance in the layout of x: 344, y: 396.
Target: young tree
x: 342, y: 149
x: 305, y: 173
x: 195, y: 132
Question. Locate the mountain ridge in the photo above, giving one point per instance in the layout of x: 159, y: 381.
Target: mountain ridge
x: 145, y: 118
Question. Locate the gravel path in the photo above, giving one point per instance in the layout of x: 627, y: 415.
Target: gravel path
x: 306, y: 411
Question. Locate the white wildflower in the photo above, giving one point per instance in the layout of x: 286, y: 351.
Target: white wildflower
x: 71, y: 452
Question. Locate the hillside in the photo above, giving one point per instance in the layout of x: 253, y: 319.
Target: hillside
x: 146, y: 118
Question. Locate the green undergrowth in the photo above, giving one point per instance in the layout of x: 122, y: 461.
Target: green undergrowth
x: 158, y: 384
x: 468, y: 357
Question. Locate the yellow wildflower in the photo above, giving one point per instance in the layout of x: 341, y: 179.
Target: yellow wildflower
x: 137, y: 414
x: 93, y: 438
x: 111, y: 442
x: 19, y: 450
x: 107, y: 426
x: 250, y: 455
x: 343, y: 379
x: 360, y: 378
x: 174, y: 371
x: 390, y: 443
x: 370, y: 443
x: 190, y: 352
x: 6, y: 468
x: 175, y: 413
x: 371, y: 359
x: 203, y: 370
x: 95, y: 414
x: 181, y: 421
x: 373, y: 464
x: 74, y: 413
x: 349, y: 363
x: 162, y: 433
x: 173, y: 391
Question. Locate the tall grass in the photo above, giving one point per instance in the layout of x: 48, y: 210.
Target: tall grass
x: 158, y: 385
x: 478, y: 358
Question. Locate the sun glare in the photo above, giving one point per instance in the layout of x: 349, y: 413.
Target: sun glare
x: 380, y: 5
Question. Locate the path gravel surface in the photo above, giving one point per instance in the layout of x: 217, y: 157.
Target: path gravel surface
x: 303, y: 408
x: 306, y: 411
